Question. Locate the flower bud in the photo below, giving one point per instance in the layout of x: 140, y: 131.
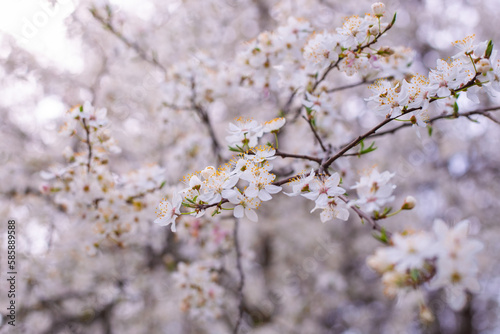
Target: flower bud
x: 409, y: 203
x: 374, y: 30
x: 378, y: 9
x: 426, y: 315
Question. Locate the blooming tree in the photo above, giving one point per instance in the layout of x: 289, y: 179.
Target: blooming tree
x: 229, y: 124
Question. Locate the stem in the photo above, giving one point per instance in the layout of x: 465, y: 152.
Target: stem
x: 87, y: 131
x: 316, y: 135
x: 108, y: 25
x: 297, y: 156
x: 242, y: 276
x: 336, y: 89
x: 367, y: 217
x: 483, y: 112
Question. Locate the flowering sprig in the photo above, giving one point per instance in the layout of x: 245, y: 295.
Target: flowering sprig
x: 410, y: 260
x: 445, y: 259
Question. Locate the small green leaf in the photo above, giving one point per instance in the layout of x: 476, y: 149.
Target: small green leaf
x: 489, y: 49
x: 429, y: 130
x: 236, y: 149
x: 363, y: 150
x: 162, y: 184
x: 415, y: 275
x: 393, y: 21
x: 455, y: 109
x: 382, y: 237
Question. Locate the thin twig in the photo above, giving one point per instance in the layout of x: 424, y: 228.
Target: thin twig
x: 358, y: 49
x: 491, y: 118
x: 107, y: 23
x: 87, y: 132
x: 205, y: 118
x: 365, y: 216
x: 316, y: 135
x: 297, y: 156
x: 355, y: 142
x: 336, y: 89
x: 483, y: 112
x: 242, y: 276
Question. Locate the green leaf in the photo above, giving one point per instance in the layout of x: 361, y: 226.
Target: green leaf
x: 363, y: 150
x: 162, y: 184
x: 393, y: 21
x: 382, y: 237
x: 489, y: 49
x: 429, y: 130
x: 236, y: 149
x: 415, y: 275
x: 313, y: 122
x: 472, y: 120
x: 455, y: 109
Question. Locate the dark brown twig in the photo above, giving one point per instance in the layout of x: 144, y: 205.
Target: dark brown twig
x: 87, y: 132
x: 241, y: 302
x: 108, y: 25
x: 297, y: 156
x: 316, y: 135
x: 482, y: 112
x: 365, y: 216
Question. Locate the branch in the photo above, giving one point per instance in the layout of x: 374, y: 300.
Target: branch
x: 365, y: 216
x: 316, y: 135
x: 87, y: 132
x: 241, y: 305
x: 355, y: 142
x: 108, y: 25
x: 336, y: 89
x: 482, y: 112
x: 358, y: 50
x: 297, y: 156
x: 205, y: 118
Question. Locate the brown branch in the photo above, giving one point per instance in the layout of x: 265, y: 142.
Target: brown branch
x: 323, y: 77
x: 365, y: 216
x: 336, y: 89
x: 205, y: 118
x: 354, y: 142
x: 87, y: 132
x: 108, y: 25
x: 358, y: 50
x: 297, y: 156
x: 482, y: 112
x: 316, y: 135
x: 241, y: 303
x: 371, y: 133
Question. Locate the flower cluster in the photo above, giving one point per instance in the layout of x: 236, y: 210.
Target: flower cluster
x: 469, y: 70
x: 214, y: 187
x: 374, y: 190
x: 443, y: 259
x: 202, y: 296
x: 245, y: 133
x: 86, y: 188
x: 324, y: 191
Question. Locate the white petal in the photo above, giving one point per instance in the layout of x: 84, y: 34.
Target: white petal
x: 252, y: 191
x: 272, y: 189
x: 251, y: 215
x: 238, y: 211
x: 264, y: 195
